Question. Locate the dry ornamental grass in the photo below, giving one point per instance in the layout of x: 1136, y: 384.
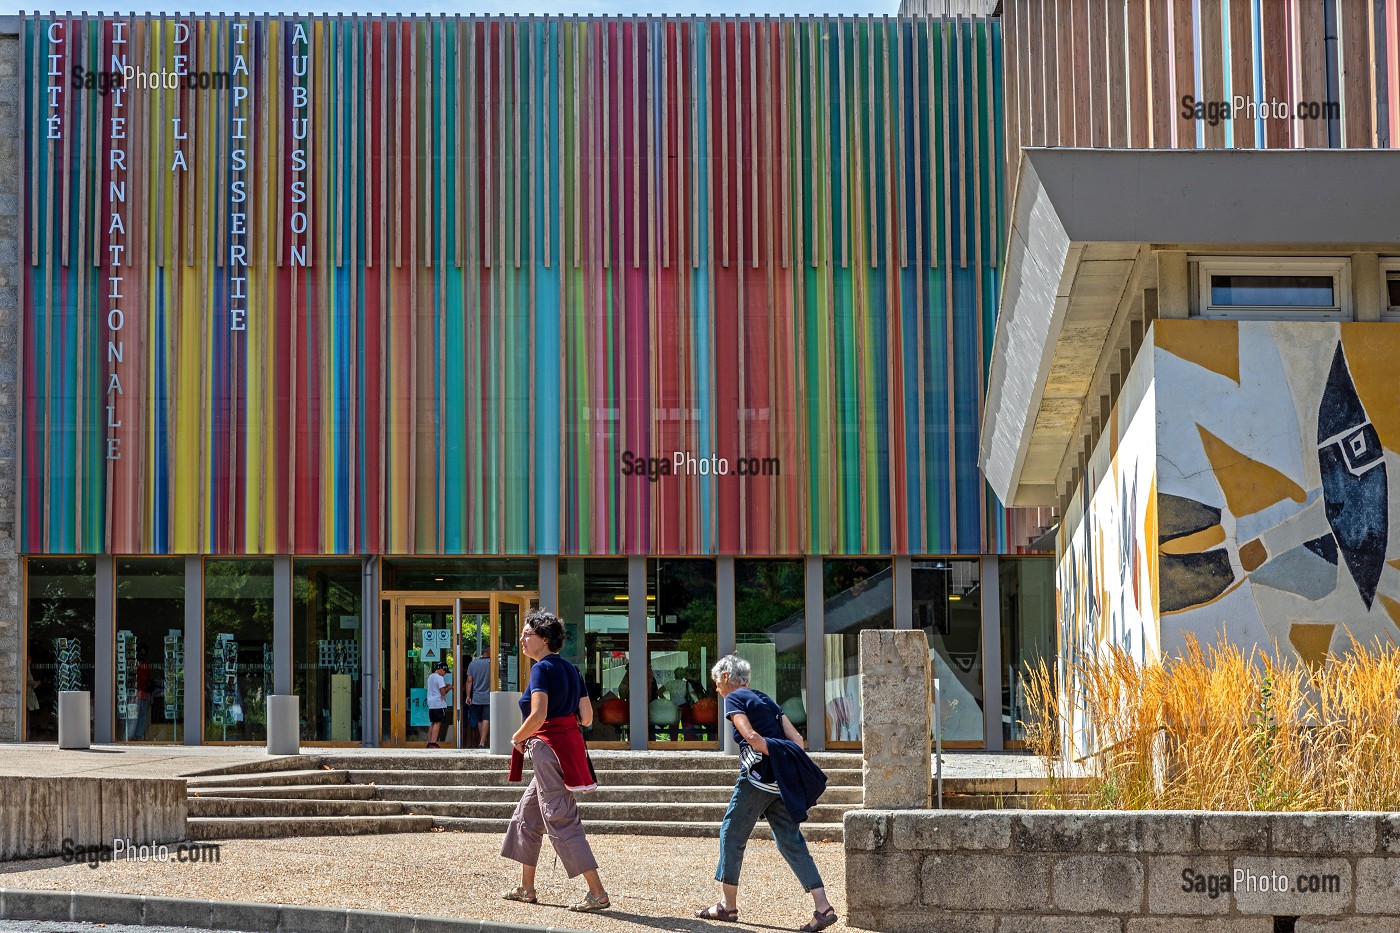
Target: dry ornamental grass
x: 1217, y: 728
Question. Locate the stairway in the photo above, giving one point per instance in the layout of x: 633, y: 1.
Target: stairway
x: 644, y: 793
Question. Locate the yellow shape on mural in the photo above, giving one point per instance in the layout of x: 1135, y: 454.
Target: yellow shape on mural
x: 1249, y: 486
x: 1371, y: 350
x: 1392, y: 607
x: 1212, y: 345
x: 1203, y: 540
x: 1311, y: 640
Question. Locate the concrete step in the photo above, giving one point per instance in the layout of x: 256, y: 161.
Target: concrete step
x: 450, y: 759
x: 849, y: 796
x: 272, y: 808
x: 813, y: 832
x: 994, y: 801
x: 205, y: 828
x: 273, y: 779
x: 635, y: 813
x: 264, y: 765
x: 291, y: 791
x: 653, y: 777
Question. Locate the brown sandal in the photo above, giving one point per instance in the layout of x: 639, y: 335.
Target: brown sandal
x: 719, y: 912
x: 820, y: 921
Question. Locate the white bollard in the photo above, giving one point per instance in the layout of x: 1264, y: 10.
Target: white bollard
x: 74, y: 719
x: 505, y: 719
x: 284, y: 724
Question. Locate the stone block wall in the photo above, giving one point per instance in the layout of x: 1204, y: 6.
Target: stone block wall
x: 38, y: 814
x: 11, y: 684
x: 1001, y: 871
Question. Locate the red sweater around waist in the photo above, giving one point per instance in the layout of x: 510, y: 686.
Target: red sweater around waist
x: 563, y: 735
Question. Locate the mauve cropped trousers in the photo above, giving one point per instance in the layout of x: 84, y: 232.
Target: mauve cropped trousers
x: 548, y: 807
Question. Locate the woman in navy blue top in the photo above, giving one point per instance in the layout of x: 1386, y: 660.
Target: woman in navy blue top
x: 756, y: 719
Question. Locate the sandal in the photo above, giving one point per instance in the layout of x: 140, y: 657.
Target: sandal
x: 719, y: 912
x: 820, y: 921
x: 591, y: 902
x: 522, y: 894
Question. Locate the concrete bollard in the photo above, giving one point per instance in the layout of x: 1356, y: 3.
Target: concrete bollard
x: 74, y: 719
x: 895, y: 722
x: 505, y: 719
x: 283, y: 724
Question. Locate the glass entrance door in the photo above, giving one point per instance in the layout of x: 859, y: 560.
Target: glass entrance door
x: 419, y: 629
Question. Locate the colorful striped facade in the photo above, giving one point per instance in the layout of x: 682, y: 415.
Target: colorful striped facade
x: 424, y: 286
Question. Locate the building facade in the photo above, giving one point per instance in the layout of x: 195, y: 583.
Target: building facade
x: 339, y: 342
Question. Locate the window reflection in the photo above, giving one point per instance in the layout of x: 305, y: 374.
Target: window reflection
x: 859, y: 595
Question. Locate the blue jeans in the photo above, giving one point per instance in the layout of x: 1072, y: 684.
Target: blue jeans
x: 745, y: 807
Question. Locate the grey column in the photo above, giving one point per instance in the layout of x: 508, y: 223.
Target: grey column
x: 816, y: 653
x: 370, y: 610
x: 549, y: 584
x: 104, y: 672
x: 727, y: 642
x: 194, y: 650
x: 282, y: 625
x: 904, y: 592
x: 991, y: 651
x: 637, y: 652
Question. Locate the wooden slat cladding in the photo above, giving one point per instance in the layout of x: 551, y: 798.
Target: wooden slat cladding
x: 1115, y: 72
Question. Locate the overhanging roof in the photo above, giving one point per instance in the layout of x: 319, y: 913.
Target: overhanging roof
x: 1079, y: 218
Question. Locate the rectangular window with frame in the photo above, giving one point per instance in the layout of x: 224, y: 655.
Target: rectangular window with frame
x: 1243, y: 288
x: 1390, y: 298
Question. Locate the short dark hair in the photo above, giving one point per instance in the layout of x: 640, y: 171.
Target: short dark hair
x: 547, y: 625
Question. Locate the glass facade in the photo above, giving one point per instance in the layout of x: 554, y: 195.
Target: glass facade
x: 682, y: 638
x: 593, y: 604
x: 238, y: 649
x: 857, y: 594
x: 947, y: 602
x: 150, y: 650
x: 326, y: 616
x: 770, y: 621
x: 60, y: 637
x: 1027, y: 634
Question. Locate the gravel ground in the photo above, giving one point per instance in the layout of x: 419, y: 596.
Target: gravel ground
x: 655, y: 883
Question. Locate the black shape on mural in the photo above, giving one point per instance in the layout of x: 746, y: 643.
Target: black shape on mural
x: 1354, y: 483
x: 1188, y: 580
x: 1178, y: 517
x: 1324, y: 547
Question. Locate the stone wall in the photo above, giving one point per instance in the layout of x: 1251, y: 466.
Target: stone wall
x: 1003, y: 871
x: 10, y: 178
x: 38, y: 814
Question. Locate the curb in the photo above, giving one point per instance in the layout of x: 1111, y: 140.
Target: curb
x: 140, y: 910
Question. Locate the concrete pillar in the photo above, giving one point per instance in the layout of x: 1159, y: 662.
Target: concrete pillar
x: 75, y: 719
x: 903, y: 592
x: 1367, y: 287
x: 549, y: 586
x: 895, y: 723
x: 283, y: 724
x: 992, y: 667
x: 1173, y: 284
x: 194, y: 650
x: 726, y: 640
x: 104, y: 667
x: 637, y: 675
x: 813, y: 616
x: 370, y: 614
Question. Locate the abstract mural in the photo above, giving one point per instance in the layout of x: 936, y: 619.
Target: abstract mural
x: 1272, y: 454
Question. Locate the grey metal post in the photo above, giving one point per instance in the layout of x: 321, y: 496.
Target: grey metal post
x: 726, y: 641
x: 369, y: 651
x: 104, y: 672
x: 903, y: 579
x: 991, y: 651
x: 282, y: 625
x: 637, y: 653
x: 549, y: 584
x: 194, y: 650
x: 814, y: 620
x: 459, y: 674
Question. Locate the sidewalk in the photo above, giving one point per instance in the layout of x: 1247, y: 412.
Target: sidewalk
x: 655, y: 883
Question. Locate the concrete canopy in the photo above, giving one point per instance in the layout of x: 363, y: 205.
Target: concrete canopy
x: 1080, y: 220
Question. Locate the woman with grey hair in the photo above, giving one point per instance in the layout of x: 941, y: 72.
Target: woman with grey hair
x: 776, y: 781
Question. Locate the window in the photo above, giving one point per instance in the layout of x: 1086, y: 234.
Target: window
x: 1268, y: 289
x: 1390, y: 299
